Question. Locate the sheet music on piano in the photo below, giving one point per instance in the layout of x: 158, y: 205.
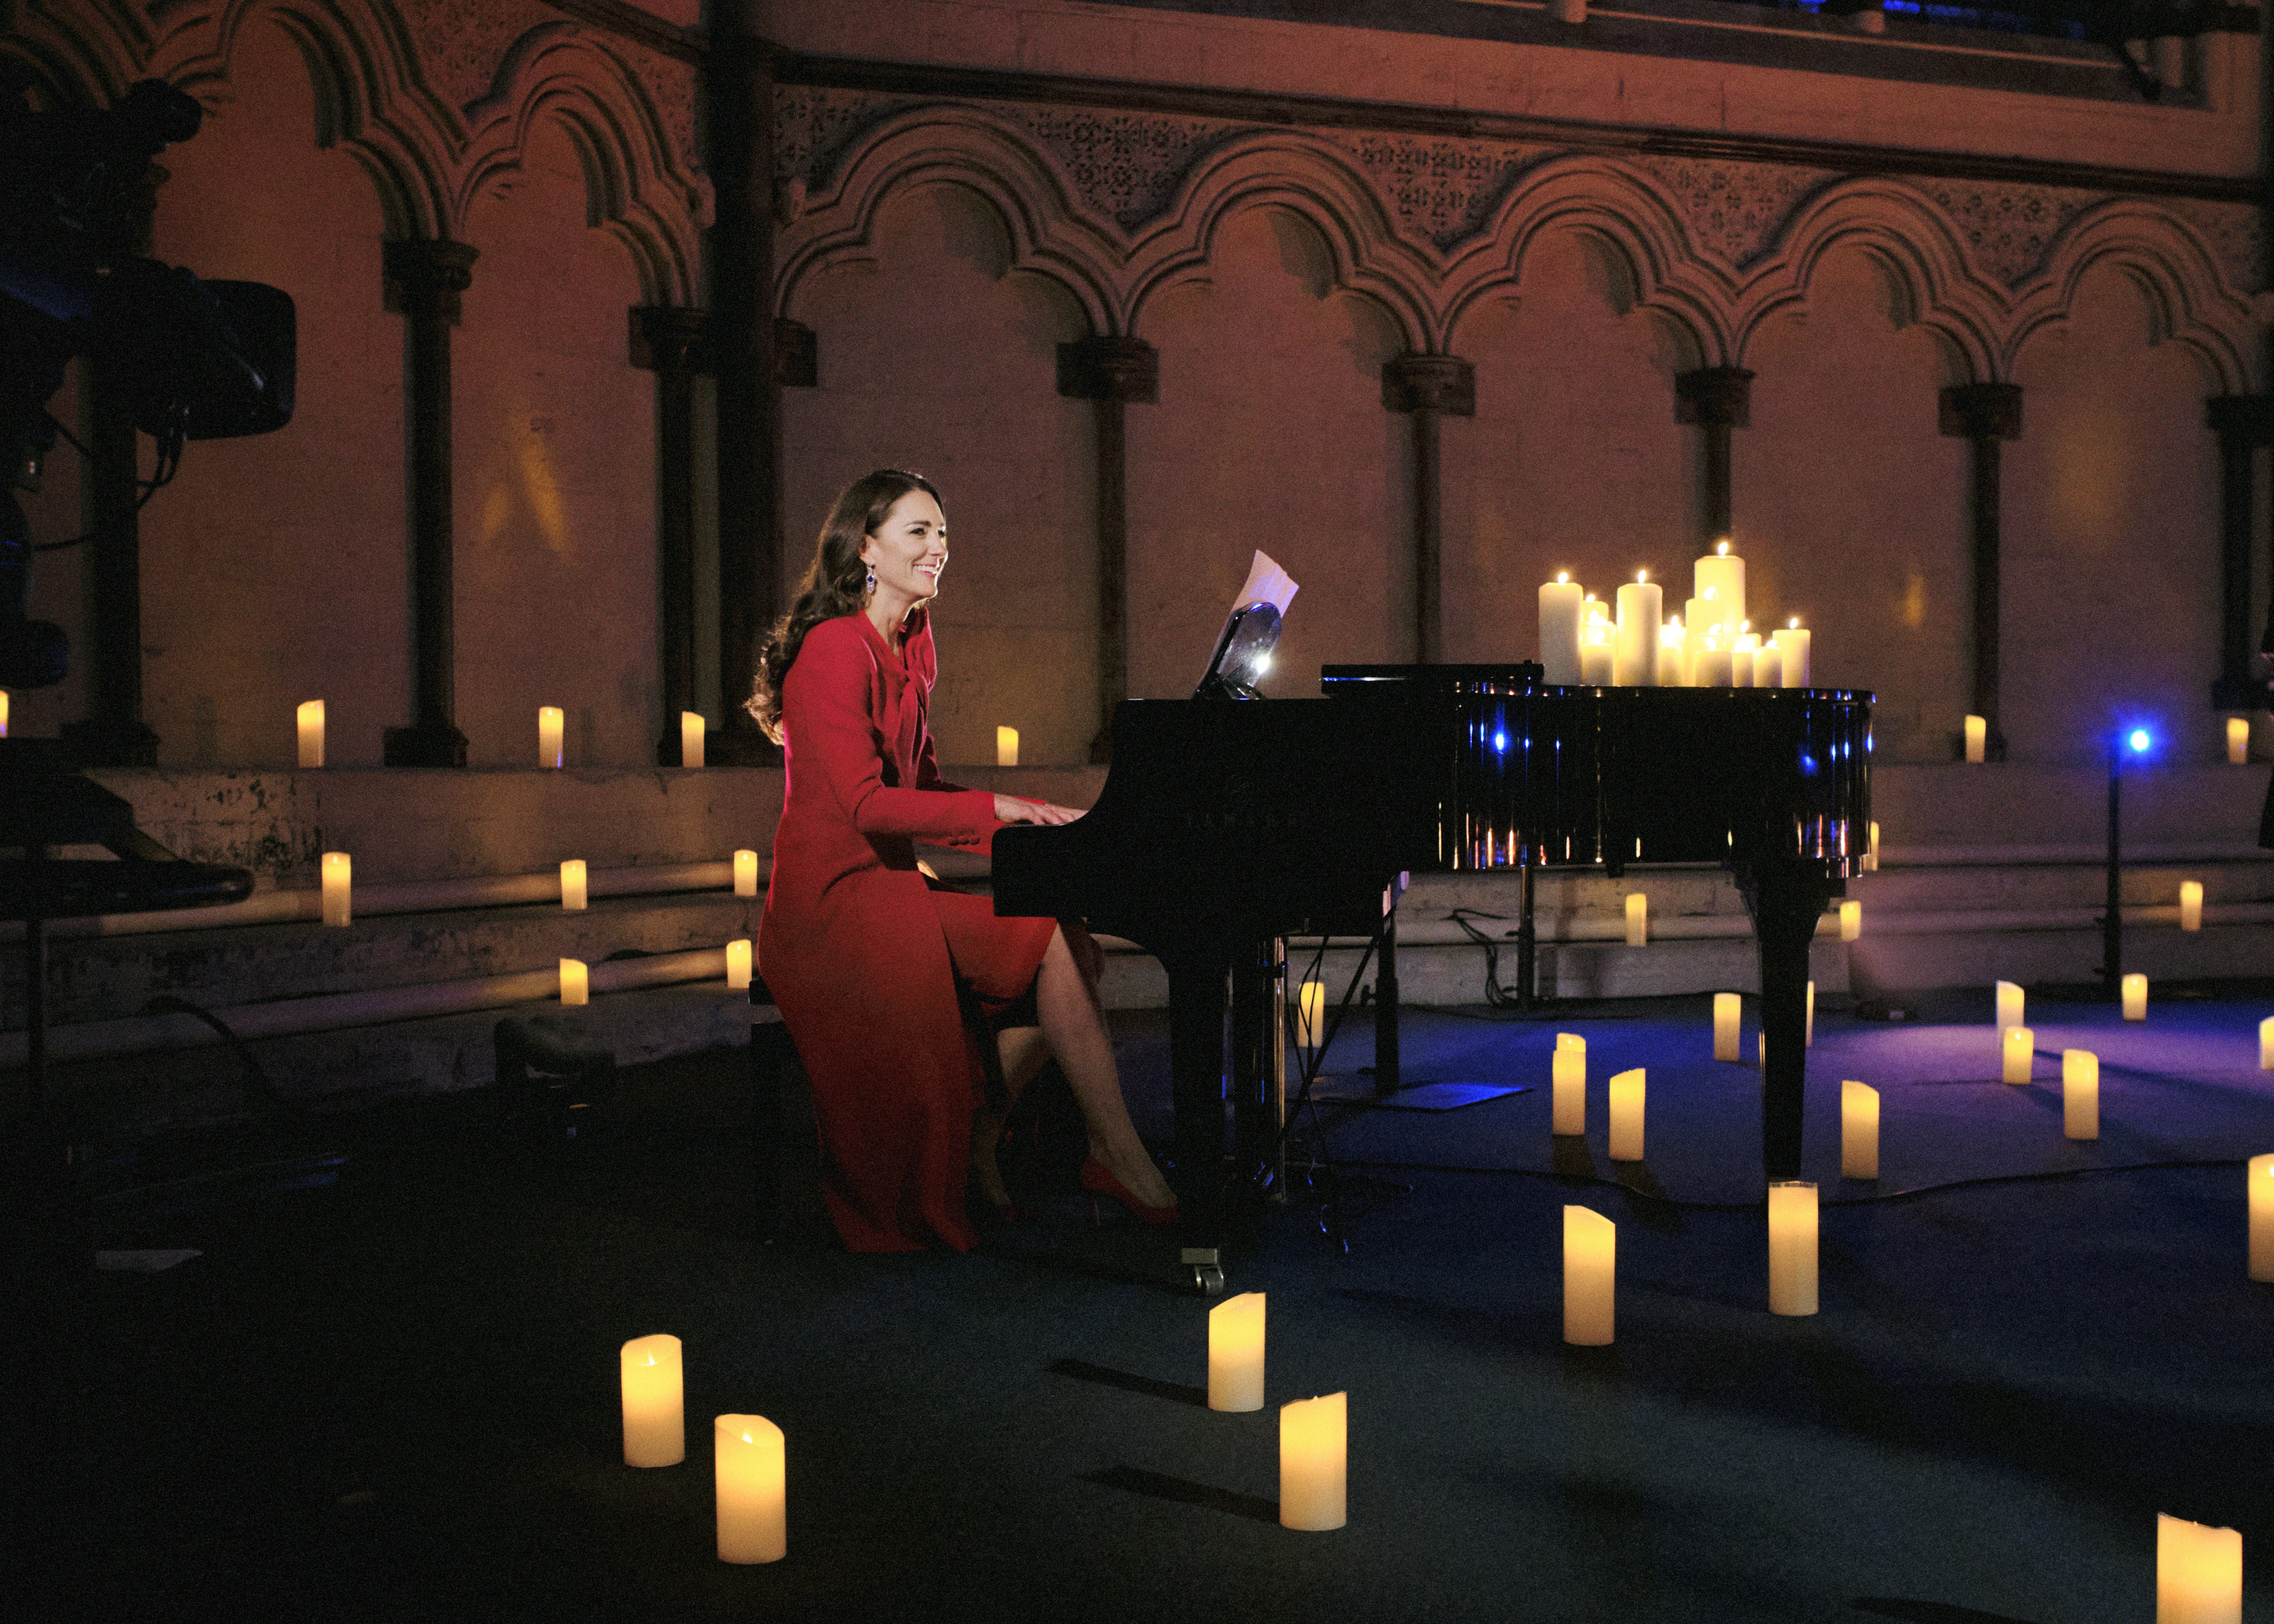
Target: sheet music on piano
x: 1251, y: 631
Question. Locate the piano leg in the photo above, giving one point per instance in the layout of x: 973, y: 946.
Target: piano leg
x: 1258, y: 1081
x: 1787, y: 898
x: 1196, y: 1012
x: 1386, y: 1057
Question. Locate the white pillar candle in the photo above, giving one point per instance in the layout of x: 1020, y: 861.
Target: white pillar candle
x: 1006, y: 746
x: 2262, y: 1217
x: 1721, y: 574
x: 1311, y: 1014
x: 1314, y: 1462
x: 1768, y: 667
x: 549, y: 729
x: 1792, y: 1248
x: 1638, y: 919
x: 691, y: 727
x: 1626, y: 1091
x: 2198, y: 1573
x: 2080, y: 1094
x: 1591, y: 1261
x: 2009, y: 1005
x: 2191, y: 905
x: 1859, y: 1131
x: 1729, y: 1010
x: 310, y: 718
x: 2266, y: 1044
x: 1559, y: 630
x: 738, y: 964
x: 1670, y: 671
x: 1851, y: 921
x: 2238, y: 740
x: 576, y: 982
x: 339, y: 876
x: 1978, y: 739
x: 746, y: 874
x: 1595, y: 666
x: 753, y: 1499
x: 1702, y: 616
x: 3, y: 713
x: 655, y: 1403
x: 1236, y: 1353
x: 1871, y: 848
x: 2135, y: 997
x: 1807, y: 1031
x: 1741, y: 666
x: 1568, y: 1071
x: 1634, y: 656
x: 1710, y: 667
x: 2020, y: 1046
x: 572, y: 884
x: 1792, y: 649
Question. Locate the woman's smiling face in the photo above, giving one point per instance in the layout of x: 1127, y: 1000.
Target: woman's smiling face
x: 908, y: 550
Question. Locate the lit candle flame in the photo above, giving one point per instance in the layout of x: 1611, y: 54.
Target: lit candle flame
x: 1795, y: 622
x: 1641, y: 576
x: 1563, y: 576
x: 1724, y: 549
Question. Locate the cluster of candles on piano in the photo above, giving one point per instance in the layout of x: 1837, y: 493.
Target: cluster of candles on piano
x: 1710, y: 644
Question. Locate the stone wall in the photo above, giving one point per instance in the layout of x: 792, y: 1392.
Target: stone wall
x: 1552, y: 214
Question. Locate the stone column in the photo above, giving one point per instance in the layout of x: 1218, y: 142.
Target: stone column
x: 1986, y: 415
x: 1111, y: 371
x: 739, y: 155
x: 1427, y: 388
x: 423, y: 280
x: 113, y: 733
x: 2243, y: 422
x: 667, y: 340
x: 1717, y: 399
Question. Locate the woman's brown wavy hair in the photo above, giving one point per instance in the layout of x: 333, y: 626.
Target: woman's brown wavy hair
x: 835, y: 584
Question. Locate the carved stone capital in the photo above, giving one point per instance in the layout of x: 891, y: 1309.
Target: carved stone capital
x: 2248, y: 418
x: 1982, y: 411
x: 797, y: 355
x: 1103, y: 367
x: 1718, y: 396
x: 669, y: 338
x: 426, y: 274
x: 1439, y: 383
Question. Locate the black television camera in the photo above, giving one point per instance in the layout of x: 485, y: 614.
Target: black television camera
x: 196, y: 360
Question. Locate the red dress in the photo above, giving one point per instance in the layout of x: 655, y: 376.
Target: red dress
x: 860, y: 952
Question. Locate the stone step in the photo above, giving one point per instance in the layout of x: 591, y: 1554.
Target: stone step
x: 110, y: 977
x: 110, y: 1098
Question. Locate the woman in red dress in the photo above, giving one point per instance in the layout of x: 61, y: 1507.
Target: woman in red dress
x: 861, y: 951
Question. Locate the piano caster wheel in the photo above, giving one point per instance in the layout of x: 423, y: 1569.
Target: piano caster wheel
x: 1207, y: 1270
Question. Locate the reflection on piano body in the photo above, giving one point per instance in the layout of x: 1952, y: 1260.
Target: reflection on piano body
x: 1225, y: 826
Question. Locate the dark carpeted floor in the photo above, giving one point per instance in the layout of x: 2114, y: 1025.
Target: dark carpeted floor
x: 394, y: 1397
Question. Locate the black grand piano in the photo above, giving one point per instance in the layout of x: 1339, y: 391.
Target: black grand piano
x: 1226, y: 824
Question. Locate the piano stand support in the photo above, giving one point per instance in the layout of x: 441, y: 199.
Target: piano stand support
x: 1528, y: 942
x: 1787, y: 898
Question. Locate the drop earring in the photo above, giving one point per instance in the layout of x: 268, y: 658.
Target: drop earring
x: 871, y: 585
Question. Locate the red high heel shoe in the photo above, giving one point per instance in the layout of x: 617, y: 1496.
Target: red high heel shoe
x: 1098, y: 1181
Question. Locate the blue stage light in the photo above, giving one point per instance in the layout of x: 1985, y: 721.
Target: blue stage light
x: 2141, y: 740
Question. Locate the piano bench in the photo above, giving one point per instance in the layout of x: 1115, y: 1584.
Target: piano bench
x: 549, y: 1068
